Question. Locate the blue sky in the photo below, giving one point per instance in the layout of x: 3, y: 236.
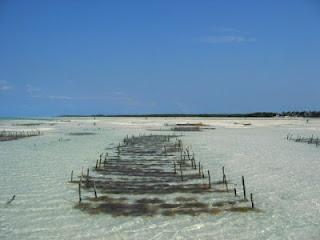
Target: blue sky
x: 126, y: 57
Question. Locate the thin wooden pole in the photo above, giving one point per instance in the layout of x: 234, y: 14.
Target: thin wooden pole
x: 209, y: 179
x: 181, y: 172
x: 244, y: 188
x: 226, y: 183
x: 11, y: 200
x: 202, y: 171
x: 311, y: 139
x: 95, y: 190
x: 235, y: 192
x: 223, y: 175
x: 187, y: 149
x: 71, y: 176
x: 80, y: 190
x: 251, y: 198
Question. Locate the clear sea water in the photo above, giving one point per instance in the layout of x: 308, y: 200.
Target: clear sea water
x: 283, y: 176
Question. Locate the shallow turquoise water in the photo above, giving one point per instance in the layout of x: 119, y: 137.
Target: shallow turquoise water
x: 283, y: 176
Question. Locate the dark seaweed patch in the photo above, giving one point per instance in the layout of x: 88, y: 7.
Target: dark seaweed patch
x: 149, y: 166
x: 81, y: 133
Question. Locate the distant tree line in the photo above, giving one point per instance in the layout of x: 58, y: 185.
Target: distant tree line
x: 301, y: 114
x: 255, y: 114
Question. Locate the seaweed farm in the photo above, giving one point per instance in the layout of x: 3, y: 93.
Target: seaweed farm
x: 309, y: 140
x: 145, y: 170
x: 15, y: 135
x: 139, y: 179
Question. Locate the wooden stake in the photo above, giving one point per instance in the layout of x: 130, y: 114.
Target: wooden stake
x: 80, y: 190
x: 181, y: 172
x: 251, y: 198
x: 235, y: 192
x: 199, y: 170
x: 202, y: 171
x: 175, y: 167
x: 311, y: 139
x: 71, y: 176
x: 95, y: 190
x: 209, y: 179
x: 225, y: 181
x: 11, y: 200
x: 223, y: 175
x: 244, y: 189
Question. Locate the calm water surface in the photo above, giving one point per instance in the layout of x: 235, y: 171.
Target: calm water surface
x: 284, y: 177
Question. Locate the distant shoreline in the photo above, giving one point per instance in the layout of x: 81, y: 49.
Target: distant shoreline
x: 295, y: 114
x: 312, y: 114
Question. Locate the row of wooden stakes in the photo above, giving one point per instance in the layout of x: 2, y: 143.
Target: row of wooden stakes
x: 19, y: 133
x: 309, y: 140
x: 185, y: 154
